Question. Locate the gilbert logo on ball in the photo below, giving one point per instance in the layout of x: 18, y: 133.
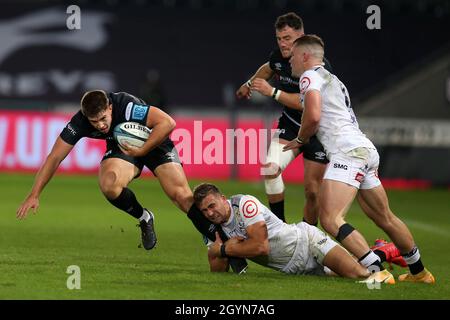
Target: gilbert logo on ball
x: 132, y: 133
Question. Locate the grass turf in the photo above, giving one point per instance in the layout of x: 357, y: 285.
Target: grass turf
x: 75, y: 225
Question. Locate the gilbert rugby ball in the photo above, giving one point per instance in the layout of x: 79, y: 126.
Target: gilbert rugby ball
x: 132, y: 133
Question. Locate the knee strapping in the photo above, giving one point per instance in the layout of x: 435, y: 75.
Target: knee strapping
x: 274, y: 186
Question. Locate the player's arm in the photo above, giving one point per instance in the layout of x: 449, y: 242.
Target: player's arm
x: 162, y: 126
x: 256, y: 244
x: 58, y: 153
x: 311, y: 115
x: 290, y: 100
x: 310, y: 119
x: 218, y: 264
x: 263, y: 72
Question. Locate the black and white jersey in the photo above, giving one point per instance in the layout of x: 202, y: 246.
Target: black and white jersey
x: 286, y: 82
x: 125, y: 107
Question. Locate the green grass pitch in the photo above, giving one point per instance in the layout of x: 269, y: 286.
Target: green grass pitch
x: 75, y: 225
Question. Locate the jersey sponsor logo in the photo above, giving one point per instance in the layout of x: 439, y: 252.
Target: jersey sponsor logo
x: 340, y: 166
x: 139, y: 112
x: 288, y: 81
x: 250, y: 209
x: 128, y: 111
x: 278, y: 66
x: 359, y: 177
x: 321, y: 242
x: 304, y: 84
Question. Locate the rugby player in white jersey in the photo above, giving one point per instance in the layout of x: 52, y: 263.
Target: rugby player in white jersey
x: 354, y: 161
x: 259, y: 235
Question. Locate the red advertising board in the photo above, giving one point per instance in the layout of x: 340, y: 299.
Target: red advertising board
x: 209, y: 148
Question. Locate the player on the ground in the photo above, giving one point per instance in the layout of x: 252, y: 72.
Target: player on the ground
x: 288, y: 28
x: 353, y: 166
x: 100, y: 113
x: 257, y: 234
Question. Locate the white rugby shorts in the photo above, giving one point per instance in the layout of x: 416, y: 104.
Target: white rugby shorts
x: 312, y: 247
x: 358, y: 168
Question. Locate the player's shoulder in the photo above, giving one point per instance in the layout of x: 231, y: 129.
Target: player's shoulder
x: 249, y: 206
x: 311, y: 79
x: 276, y: 55
x: 79, y: 119
x: 311, y: 74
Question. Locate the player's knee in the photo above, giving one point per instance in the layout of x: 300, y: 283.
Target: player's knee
x: 329, y: 224
x: 312, y: 192
x: 274, y: 185
x: 108, y: 183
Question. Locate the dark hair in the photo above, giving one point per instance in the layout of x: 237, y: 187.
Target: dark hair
x: 203, y: 190
x: 290, y: 19
x: 309, y: 39
x: 94, y: 102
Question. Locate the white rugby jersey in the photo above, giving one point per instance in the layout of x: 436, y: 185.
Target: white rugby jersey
x: 247, y: 210
x: 338, y: 127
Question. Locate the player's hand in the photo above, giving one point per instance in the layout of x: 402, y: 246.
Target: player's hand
x: 132, y: 151
x: 262, y: 86
x: 214, y: 249
x: 292, y: 145
x: 244, y: 92
x: 29, y: 203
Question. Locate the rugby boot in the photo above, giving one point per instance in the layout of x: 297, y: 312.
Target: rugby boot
x: 391, y: 252
x: 423, y: 276
x: 148, y: 234
x: 383, y: 276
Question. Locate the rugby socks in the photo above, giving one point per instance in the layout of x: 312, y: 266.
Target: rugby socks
x: 127, y: 202
x: 371, y: 259
x: 278, y: 209
x: 413, y: 260
x: 380, y: 254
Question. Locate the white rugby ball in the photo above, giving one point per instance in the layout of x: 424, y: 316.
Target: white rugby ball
x: 132, y: 133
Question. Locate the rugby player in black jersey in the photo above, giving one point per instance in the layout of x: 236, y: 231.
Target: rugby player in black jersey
x: 288, y: 28
x: 100, y: 113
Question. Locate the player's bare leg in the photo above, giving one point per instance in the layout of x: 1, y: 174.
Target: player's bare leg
x: 375, y: 204
x: 313, y: 176
x: 174, y: 183
x: 336, y: 198
x: 114, y: 176
x: 343, y: 264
